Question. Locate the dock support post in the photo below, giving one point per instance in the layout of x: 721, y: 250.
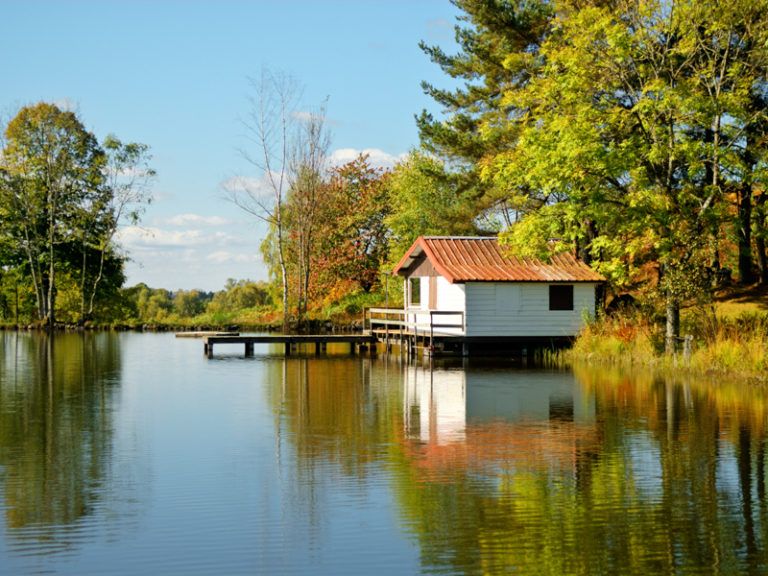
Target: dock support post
x: 287, y: 348
x: 249, y: 348
x: 207, y: 349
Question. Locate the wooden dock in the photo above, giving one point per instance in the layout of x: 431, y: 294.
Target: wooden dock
x: 411, y: 332
x: 204, y: 333
x: 357, y: 342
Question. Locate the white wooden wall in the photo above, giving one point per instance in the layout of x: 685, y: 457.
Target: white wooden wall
x: 497, y: 309
x: 451, y: 298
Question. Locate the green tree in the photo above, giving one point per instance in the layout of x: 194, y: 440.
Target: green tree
x: 498, y: 53
x: 239, y: 295
x: 148, y: 304
x: 425, y: 200
x: 189, y: 303
x: 52, y: 168
x: 632, y: 138
x: 63, y: 197
x: 304, y: 200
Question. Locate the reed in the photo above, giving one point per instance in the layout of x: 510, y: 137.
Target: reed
x: 721, y: 346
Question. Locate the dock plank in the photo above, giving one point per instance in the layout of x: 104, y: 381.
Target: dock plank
x: 289, y: 338
x: 204, y: 333
x: 319, y: 340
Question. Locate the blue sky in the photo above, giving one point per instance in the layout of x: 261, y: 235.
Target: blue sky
x: 175, y: 75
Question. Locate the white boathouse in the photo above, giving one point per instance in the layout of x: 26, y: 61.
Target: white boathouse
x: 470, y: 290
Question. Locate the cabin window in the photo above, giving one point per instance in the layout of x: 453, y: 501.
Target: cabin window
x: 415, y: 291
x: 561, y: 297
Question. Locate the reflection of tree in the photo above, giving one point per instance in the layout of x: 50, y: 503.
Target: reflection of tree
x: 334, y: 411
x: 55, y: 426
x: 334, y: 419
x: 666, y: 480
x: 657, y: 477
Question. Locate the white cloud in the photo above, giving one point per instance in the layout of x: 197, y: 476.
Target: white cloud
x: 138, y: 238
x: 129, y: 173
x: 306, y: 116
x: 194, y: 250
x: 223, y: 256
x: 66, y: 104
x: 190, y: 220
x: 376, y: 158
x: 255, y: 187
x: 309, y: 116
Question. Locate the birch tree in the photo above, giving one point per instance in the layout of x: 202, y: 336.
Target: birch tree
x: 286, y: 147
x: 307, y: 173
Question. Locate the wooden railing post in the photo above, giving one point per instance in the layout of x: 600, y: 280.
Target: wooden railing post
x: 431, y: 330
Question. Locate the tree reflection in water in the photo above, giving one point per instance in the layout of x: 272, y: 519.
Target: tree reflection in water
x: 55, y: 433
x: 480, y: 468
x: 498, y: 470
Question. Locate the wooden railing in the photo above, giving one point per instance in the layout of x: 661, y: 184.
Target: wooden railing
x: 398, y: 322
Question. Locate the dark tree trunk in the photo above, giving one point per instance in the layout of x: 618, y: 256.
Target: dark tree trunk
x: 745, y: 234
x: 584, y: 251
x: 760, y: 249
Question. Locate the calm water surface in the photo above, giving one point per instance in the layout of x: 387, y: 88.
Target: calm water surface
x: 133, y: 454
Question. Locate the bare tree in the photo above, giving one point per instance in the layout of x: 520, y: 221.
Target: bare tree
x: 307, y: 168
x: 287, y: 146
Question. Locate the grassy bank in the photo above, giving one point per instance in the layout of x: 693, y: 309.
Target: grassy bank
x: 730, y: 338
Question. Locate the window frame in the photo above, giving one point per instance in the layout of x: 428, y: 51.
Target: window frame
x: 414, y: 289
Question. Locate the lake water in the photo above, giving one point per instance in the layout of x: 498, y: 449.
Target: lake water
x: 133, y: 454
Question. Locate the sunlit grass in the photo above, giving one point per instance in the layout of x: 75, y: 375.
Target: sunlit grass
x: 735, y: 345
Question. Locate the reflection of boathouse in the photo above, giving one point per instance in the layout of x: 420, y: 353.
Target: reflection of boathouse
x: 440, y: 404
x: 468, y: 295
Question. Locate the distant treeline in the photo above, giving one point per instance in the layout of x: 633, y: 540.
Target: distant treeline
x: 141, y: 305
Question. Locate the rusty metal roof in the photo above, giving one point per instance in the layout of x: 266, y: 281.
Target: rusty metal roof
x: 481, y: 259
